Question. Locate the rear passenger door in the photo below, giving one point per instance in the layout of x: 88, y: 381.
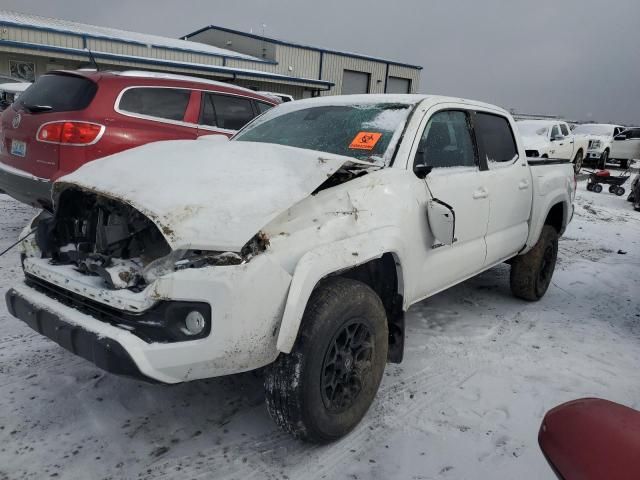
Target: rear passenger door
x: 226, y: 114
x: 509, y: 184
x: 446, y: 145
x: 565, y: 146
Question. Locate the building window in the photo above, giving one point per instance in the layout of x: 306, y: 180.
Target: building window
x: 355, y: 82
x: 398, y: 85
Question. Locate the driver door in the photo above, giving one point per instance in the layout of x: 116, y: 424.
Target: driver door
x: 447, y: 148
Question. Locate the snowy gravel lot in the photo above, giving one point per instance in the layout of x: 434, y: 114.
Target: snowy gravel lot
x: 480, y: 370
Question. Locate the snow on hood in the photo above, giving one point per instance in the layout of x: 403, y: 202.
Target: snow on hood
x: 206, y: 195
x: 533, y: 142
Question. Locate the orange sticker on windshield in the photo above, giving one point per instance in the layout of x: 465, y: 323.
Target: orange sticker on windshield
x: 365, y: 141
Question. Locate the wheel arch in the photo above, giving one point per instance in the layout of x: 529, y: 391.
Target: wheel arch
x: 370, y: 259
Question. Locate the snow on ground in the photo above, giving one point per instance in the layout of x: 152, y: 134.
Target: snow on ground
x: 480, y: 370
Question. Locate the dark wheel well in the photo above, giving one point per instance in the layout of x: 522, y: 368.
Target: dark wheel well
x: 579, y: 151
x: 555, y: 217
x: 381, y: 274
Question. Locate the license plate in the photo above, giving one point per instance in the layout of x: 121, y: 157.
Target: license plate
x: 18, y: 148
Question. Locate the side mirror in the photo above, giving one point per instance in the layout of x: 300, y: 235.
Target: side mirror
x: 442, y: 220
x: 422, y: 170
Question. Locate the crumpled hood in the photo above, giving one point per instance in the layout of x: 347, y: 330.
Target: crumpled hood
x: 207, y: 195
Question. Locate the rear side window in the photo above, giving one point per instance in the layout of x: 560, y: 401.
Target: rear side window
x: 225, y: 111
x: 496, y: 143
x: 62, y: 93
x: 167, y: 103
x: 565, y: 129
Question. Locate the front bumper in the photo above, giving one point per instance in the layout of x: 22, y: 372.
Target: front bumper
x: 24, y: 187
x: 247, y: 302
x: 104, y: 352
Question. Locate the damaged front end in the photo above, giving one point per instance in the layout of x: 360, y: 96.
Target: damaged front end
x: 104, y: 237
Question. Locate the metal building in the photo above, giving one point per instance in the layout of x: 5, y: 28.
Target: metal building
x: 347, y: 72
x: 31, y: 45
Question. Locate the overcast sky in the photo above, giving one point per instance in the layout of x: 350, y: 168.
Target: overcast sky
x: 577, y: 58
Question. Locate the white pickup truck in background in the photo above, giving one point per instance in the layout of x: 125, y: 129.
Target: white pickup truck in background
x: 626, y: 147
x: 552, y: 139
x: 296, y: 245
x: 600, y: 138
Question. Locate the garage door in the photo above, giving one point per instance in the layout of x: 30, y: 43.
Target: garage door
x: 354, y: 82
x: 398, y: 85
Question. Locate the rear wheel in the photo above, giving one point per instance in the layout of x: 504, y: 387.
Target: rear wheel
x: 620, y: 191
x: 322, y: 389
x: 597, y: 188
x: 577, y: 162
x: 612, y: 188
x: 531, y: 273
x: 590, y: 186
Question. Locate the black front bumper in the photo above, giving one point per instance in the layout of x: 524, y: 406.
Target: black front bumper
x: 105, y: 353
x: 25, y: 189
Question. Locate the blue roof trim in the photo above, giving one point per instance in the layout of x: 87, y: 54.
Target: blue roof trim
x: 152, y: 61
x: 128, y: 42
x: 300, y: 45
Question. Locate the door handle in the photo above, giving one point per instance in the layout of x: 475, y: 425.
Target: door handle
x: 571, y: 141
x: 523, y: 185
x: 480, y: 193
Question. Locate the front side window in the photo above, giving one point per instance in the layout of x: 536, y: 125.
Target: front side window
x: 367, y: 131
x: 496, y: 143
x: 555, y: 131
x: 166, y: 103
x: 263, y: 107
x: 446, y: 142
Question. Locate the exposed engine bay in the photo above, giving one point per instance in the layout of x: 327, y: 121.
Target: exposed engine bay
x: 105, y: 237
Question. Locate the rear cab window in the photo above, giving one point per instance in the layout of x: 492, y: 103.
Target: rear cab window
x: 58, y: 93
x: 495, y: 139
x: 157, y: 102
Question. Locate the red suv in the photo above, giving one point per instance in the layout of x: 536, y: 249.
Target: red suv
x: 68, y: 118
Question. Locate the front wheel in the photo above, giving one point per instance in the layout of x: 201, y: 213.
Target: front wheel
x: 602, y: 163
x: 577, y: 162
x: 597, y: 188
x: 531, y: 273
x: 322, y: 389
x: 619, y: 191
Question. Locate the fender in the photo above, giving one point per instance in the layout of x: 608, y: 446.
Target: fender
x: 542, y: 207
x: 332, y: 258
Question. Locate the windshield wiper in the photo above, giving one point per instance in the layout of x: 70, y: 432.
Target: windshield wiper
x: 37, y: 108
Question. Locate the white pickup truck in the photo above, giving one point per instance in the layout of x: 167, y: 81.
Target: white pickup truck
x: 296, y: 246
x: 600, y: 137
x: 553, y: 139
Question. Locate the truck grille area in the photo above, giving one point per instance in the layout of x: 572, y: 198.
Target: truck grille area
x: 101, y: 236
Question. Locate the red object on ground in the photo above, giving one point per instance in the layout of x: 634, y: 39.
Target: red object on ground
x: 603, y: 173
x: 68, y: 118
x: 592, y: 439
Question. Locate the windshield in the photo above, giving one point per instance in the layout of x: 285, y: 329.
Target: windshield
x: 365, y: 132
x: 593, y: 130
x: 531, y: 129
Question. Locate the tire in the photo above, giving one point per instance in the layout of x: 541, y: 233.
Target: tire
x: 597, y: 188
x: 590, y: 186
x: 577, y: 162
x: 602, y: 162
x: 620, y: 191
x: 612, y: 188
x: 531, y: 273
x: 305, y: 389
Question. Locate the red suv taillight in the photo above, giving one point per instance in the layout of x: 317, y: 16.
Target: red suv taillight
x: 70, y: 133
